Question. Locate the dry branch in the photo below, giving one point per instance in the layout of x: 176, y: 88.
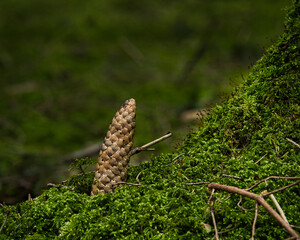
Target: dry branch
x: 257, y: 198
x: 146, y: 146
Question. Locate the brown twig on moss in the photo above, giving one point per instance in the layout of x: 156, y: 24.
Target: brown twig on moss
x: 271, y: 177
x: 241, y: 207
x: 59, y: 186
x: 146, y: 146
x: 5, y: 220
x: 126, y: 183
x: 211, y: 202
x: 280, y: 189
x: 231, y: 176
x: 254, y: 221
x: 293, y: 142
x: 197, y: 183
x: 257, y: 198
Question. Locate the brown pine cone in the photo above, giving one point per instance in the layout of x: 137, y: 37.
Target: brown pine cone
x: 116, y: 150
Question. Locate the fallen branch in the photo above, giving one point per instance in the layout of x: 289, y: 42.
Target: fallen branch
x: 146, y: 146
x: 257, y: 198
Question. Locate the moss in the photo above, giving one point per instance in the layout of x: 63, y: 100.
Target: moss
x: 245, y: 137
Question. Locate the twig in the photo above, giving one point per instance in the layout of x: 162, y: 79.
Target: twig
x: 5, y: 220
x: 175, y: 158
x: 197, y: 183
x: 260, y: 159
x: 137, y: 177
x: 145, y: 147
x: 211, y: 202
x: 259, y: 199
x: 254, y: 221
x: 278, y: 208
x: 290, y: 238
x: 271, y: 177
x: 280, y: 189
x: 222, y: 201
x: 291, y: 141
x: 59, y: 186
x: 231, y: 176
x: 241, y: 207
x: 228, y: 230
x: 126, y: 183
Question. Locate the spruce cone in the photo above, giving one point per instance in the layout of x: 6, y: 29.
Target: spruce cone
x: 116, y: 150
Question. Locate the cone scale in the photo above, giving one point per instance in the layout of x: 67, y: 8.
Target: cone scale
x: 115, y: 151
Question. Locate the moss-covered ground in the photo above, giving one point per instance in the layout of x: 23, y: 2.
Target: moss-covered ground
x: 245, y: 136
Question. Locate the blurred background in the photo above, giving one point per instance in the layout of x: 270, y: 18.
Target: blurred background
x: 67, y: 66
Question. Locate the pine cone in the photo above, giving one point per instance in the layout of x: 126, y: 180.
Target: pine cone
x: 116, y: 150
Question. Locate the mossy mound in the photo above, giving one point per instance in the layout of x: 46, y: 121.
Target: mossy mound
x: 244, y: 137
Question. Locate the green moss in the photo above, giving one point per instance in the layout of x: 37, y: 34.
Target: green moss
x: 245, y: 137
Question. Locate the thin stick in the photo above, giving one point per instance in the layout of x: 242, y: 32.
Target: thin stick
x: 260, y: 159
x: 197, y: 183
x: 271, y: 177
x: 259, y: 199
x: 5, y: 220
x: 175, y: 158
x: 228, y: 230
x: 126, y: 183
x: 278, y: 208
x: 145, y: 147
x: 137, y: 177
x: 254, y: 221
x: 240, y: 206
x: 291, y: 141
x: 231, y: 176
x: 280, y: 189
x: 210, y: 201
x: 59, y: 186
